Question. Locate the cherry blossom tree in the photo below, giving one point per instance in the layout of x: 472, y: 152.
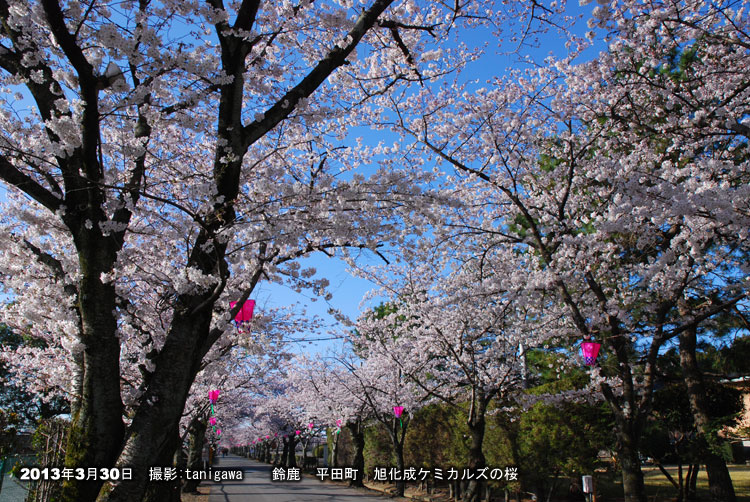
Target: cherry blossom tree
x: 289, y: 416
x: 621, y: 184
x: 457, y: 335
x: 324, y: 390
x: 165, y: 157
x: 379, y: 386
x: 242, y: 368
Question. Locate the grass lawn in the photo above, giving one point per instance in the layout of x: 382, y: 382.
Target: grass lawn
x: 659, y: 489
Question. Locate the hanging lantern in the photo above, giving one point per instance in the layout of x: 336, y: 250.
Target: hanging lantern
x: 398, y: 411
x: 213, y: 397
x: 244, y: 316
x: 268, y: 437
x: 590, y: 351
x: 218, y: 432
x: 310, y: 425
x: 212, y: 420
x: 298, y: 432
x: 338, y: 426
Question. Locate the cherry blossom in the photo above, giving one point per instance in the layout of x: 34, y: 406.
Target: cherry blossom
x: 617, y: 187
x: 164, y: 159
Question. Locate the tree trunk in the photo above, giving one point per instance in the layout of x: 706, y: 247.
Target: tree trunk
x: 475, y: 487
x: 197, y: 436
x: 291, y: 460
x: 166, y: 491
x: 511, y: 433
x: 397, y: 438
x: 667, y: 475
x: 167, y: 392
x: 629, y: 411
x: 680, y: 482
x: 456, y: 489
x: 632, y: 475
x: 358, y: 440
x: 719, y: 482
x: 284, y: 452
x: 692, y: 493
x: 96, y: 429
x: 335, y: 451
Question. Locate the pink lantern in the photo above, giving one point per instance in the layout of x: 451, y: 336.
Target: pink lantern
x: 310, y: 425
x: 244, y: 316
x: 268, y: 437
x: 213, y: 396
x: 338, y: 423
x: 298, y: 432
x: 212, y: 420
x: 218, y: 432
x: 275, y: 434
x: 398, y: 411
x: 590, y: 351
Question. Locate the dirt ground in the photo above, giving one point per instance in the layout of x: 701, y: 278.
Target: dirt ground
x: 412, y: 492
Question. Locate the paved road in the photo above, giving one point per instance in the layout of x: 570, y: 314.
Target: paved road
x: 12, y: 490
x: 257, y: 487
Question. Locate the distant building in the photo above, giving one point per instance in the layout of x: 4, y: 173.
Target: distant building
x: 741, y: 445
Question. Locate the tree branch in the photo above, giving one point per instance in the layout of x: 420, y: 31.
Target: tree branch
x: 28, y: 185
x: 335, y: 58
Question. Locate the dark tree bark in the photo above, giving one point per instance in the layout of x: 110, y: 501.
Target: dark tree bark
x: 305, y: 442
x: 630, y: 462
x: 96, y: 429
x: 291, y: 459
x: 358, y: 440
x: 720, y: 484
x: 398, y: 432
x: 335, y: 450
x: 167, y: 491
x: 284, y: 452
x: 475, y: 487
x: 692, y: 490
x: 196, y: 440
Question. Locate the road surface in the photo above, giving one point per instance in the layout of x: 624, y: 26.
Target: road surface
x: 258, y: 487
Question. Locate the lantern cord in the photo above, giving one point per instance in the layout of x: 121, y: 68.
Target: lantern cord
x: 402, y: 423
